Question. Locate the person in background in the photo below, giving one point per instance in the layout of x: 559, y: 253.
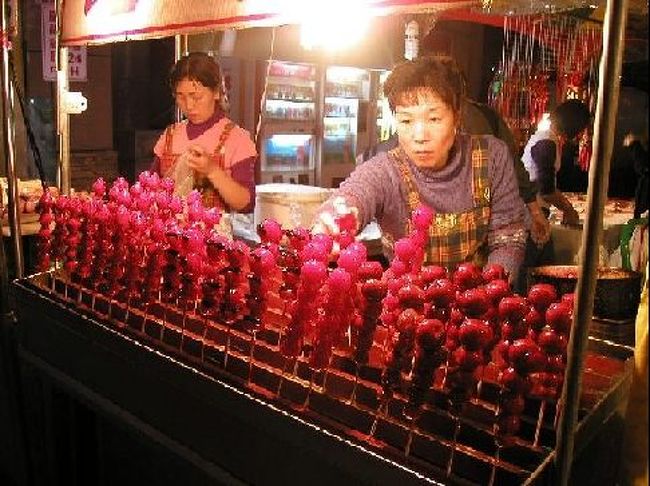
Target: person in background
x: 468, y: 181
x: 637, y: 147
x: 542, y: 155
x: 206, y: 151
x: 480, y: 119
x: 542, y: 158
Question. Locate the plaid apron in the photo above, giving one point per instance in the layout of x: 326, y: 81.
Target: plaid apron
x: 455, y: 237
x: 210, y: 197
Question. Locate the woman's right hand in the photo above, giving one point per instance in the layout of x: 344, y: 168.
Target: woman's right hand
x: 325, y: 223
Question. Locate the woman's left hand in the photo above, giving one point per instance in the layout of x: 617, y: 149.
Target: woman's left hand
x: 199, y: 160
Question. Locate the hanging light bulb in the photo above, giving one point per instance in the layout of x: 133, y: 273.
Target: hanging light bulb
x: 323, y: 26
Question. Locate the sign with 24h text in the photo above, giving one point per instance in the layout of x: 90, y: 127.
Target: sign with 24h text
x: 77, y: 61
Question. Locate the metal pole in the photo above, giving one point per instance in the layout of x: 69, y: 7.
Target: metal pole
x: 62, y: 117
x: 604, y: 125
x: 180, y: 49
x: 9, y: 144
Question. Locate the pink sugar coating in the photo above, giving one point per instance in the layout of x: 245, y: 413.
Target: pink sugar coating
x: 358, y: 248
x: 422, y: 217
x: 314, y: 251
x: 325, y: 240
x: 313, y: 272
x: 271, y: 231
x: 398, y: 267
x: 339, y: 281
x: 263, y: 262
x: 349, y: 261
x: 99, y: 187
x: 404, y: 249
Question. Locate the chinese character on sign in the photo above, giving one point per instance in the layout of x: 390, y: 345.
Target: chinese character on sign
x: 77, y: 64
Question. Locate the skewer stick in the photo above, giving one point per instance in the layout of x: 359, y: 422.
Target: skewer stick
x: 327, y: 372
x: 409, y: 440
x: 183, y: 325
x: 479, y: 384
x: 382, y: 409
x: 204, y: 337
x: 282, y: 376
x: 65, y: 289
x: 79, y: 294
x: 163, y: 324
x: 497, y: 440
x: 128, y: 310
x: 251, y: 355
x: 556, y: 418
x: 309, y: 391
x: 145, y: 317
x: 226, y: 348
x: 353, y: 395
x: 110, y: 308
x: 540, y: 421
x: 495, y: 461
x: 450, y: 463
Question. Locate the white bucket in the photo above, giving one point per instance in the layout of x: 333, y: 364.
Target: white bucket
x: 291, y: 205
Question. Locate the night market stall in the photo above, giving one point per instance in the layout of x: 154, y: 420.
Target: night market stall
x: 159, y: 351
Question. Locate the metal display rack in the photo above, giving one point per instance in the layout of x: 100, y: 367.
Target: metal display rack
x: 229, y: 425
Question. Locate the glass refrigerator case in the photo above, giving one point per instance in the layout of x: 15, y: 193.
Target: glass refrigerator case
x: 345, y: 87
x: 288, y: 157
x: 287, y: 150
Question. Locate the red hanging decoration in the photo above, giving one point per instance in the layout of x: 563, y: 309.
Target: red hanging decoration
x: 584, y: 150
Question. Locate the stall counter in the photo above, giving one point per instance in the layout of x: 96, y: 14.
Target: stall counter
x: 567, y: 240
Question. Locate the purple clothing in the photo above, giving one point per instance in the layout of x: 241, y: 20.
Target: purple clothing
x: 377, y: 190
x: 243, y: 172
x: 195, y: 130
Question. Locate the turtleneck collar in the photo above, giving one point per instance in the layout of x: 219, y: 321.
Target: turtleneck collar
x: 452, y: 167
x: 195, y: 130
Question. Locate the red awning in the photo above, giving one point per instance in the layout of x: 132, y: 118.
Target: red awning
x: 103, y: 21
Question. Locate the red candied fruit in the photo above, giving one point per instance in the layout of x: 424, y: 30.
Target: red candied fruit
x: 542, y: 295
x: 494, y: 271
x: 559, y: 316
x: 513, y: 308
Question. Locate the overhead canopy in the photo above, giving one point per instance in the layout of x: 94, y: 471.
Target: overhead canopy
x: 103, y: 21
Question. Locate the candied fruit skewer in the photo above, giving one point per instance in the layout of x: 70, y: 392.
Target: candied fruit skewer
x: 312, y: 275
x: 429, y: 338
x: 86, y: 245
x: 335, y: 309
x: 170, y: 272
x: 44, y: 241
x: 120, y: 221
x: 213, y: 285
x: 154, y: 259
x: 234, y: 294
x: 373, y: 291
x: 191, y: 277
x: 262, y: 265
x: 134, y: 260
x: 553, y: 340
x: 59, y: 233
